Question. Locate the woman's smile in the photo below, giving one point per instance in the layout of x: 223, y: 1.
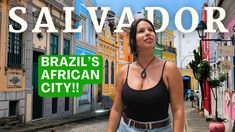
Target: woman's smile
x: 148, y: 40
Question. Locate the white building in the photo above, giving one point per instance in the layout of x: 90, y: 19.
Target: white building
x: 185, y: 43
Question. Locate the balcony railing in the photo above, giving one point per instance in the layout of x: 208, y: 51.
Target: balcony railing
x: 159, y: 46
x: 169, y: 49
x: 69, y: 3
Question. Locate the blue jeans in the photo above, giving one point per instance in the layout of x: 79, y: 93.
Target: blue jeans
x: 123, y: 127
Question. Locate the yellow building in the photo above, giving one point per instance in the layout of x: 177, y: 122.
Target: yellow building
x: 188, y: 79
x: 19, y: 59
x: 124, y: 56
x: 169, y: 51
x: 12, y: 65
x: 107, y: 47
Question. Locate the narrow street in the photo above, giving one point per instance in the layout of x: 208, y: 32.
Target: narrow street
x: 92, y: 125
x: 60, y: 61
x: 193, y: 123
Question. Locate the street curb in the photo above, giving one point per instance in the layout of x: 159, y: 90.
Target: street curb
x: 74, y: 118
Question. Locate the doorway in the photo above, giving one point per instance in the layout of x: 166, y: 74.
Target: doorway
x: 187, y: 83
x: 37, y: 100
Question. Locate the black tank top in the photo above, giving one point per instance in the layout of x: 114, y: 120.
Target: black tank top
x: 146, y: 105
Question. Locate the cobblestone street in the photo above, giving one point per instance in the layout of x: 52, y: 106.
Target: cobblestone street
x: 193, y: 123
x: 91, y: 125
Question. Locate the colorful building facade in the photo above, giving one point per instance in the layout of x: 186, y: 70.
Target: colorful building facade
x: 107, y: 47
x: 12, y: 66
x: 188, y: 79
x: 19, y: 59
x: 158, y: 48
x: 206, y: 56
x: 169, y: 51
x: 85, y: 45
x: 226, y: 96
x: 124, y: 55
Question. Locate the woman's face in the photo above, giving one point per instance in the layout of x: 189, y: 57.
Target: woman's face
x: 145, y: 36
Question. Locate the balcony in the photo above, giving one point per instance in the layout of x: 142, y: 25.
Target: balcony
x: 169, y: 49
x: 68, y: 3
x: 159, y: 46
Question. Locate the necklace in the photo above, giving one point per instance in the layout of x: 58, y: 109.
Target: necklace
x: 143, y: 74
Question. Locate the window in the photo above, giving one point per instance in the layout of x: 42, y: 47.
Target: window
x: 166, y: 42
x: 84, y: 30
x: 15, y: 46
x: 85, y: 89
x: 68, y: 3
x: 170, y: 44
x: 54, y: 105
x: 13, y: 105
x: 66, y: 104
x: 112, y: 73
x: 121, y: 48
x: 93, y: 43
x: 66, y: 47
x: 54, y: 44
x: 159, y: 38
x: 106, y: 72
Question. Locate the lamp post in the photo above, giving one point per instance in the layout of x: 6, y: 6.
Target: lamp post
x: 202, y: 26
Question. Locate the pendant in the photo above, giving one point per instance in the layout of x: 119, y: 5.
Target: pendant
x: 143, y: 74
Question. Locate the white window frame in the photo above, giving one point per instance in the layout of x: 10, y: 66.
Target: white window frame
x: 121, y: 49
x: 84, y: 33
x: 93, y: 39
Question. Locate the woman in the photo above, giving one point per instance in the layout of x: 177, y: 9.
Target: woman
x: 146, y: 87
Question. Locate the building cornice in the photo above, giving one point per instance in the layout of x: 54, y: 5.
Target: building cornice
x: 60, y: 8
x: 86, y: 46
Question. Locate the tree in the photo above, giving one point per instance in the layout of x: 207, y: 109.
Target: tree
x: 201, y: 70
x: 215, y: 83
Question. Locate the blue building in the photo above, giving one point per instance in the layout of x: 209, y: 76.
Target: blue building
x: 85, y: 45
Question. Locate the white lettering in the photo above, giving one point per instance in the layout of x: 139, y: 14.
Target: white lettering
x: 178, y: 18
x: 68, y: 22
x: 165, y: 16
x: 43, y: 88
x: 211, y: 20
x: 19, y: 20
x: 126, y: 12
x: 91, y: 10
x: 50, y: 25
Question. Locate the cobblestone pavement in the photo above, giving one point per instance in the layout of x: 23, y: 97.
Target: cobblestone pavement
x: 193, y: 123
x: 91, y: 125
x: 90, y: 122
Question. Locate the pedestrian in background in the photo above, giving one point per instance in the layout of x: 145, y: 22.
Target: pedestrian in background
x: 191, y: 97
x: 146, y: 87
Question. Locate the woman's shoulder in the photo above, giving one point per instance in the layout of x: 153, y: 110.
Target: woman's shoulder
x: 122, y: 72
x: 121, y: 75
x: 171, y: 67
x: 123, y: 69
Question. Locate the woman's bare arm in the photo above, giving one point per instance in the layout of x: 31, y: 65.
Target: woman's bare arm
x: 117, y: 108
x: 175, y: 87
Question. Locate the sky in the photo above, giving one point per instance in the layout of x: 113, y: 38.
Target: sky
x: 172, y: 6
